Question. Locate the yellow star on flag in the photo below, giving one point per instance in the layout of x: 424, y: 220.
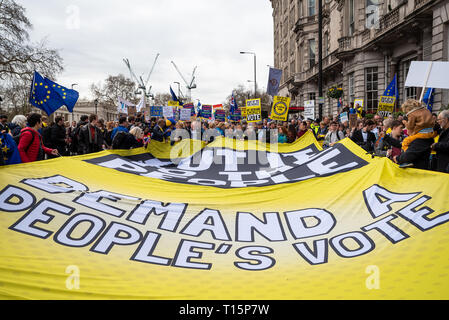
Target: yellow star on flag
x: 5, y: 149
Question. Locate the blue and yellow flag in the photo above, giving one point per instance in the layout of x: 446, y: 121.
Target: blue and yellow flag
x: 50, y: 96
x: 429, y: 98
x: 392, y: 89
x: 9, y: 150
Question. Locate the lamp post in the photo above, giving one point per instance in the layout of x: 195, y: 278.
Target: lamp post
x: 320, y: 56
x: 179, y: 89
x: 74, y: 84
x: 255, y: 72
x: 96, y: 105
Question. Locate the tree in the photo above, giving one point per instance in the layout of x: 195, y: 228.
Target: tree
x: 19, y: 57
x: 241, y: 94
x: 113, y: 88
x: 161, y: 99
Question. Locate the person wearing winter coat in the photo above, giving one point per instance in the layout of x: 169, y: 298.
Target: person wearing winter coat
x: 31, y: 147
x: 442, y: 146
x: 90, y: 137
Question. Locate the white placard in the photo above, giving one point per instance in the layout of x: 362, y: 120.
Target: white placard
x: 309, y: 109
x: 344, y: 117
x: 168, y: 112
x: 185, y: 114
x: 438, y: 77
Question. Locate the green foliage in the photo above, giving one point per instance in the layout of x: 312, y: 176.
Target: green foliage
x: 335, y: 92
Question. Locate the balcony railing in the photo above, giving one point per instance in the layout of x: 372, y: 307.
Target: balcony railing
x: 366, y: 35
x: 345, y: 43
x: 420, y: 3
x: 389, y: 20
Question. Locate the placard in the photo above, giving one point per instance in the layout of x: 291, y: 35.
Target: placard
x: 237, y: 115
x: 352, y: 120
x: 358, y: 102
x: 279, y: 111
x: 253, y: 114
x: 185, y: 114
x: 386, y: 106
x: 344, y: 117
x: 220, y: 115
x: 206, y: 111
x: 156, y: 111
x: 173, y: 103
x: 168, y: 111
x: 309, y: 109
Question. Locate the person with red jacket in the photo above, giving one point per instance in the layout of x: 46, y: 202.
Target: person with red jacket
x: 30, y: 146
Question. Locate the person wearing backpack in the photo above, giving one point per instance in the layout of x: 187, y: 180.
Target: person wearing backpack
x: 30, y: 145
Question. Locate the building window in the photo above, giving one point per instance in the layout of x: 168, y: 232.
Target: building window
x: 351, y: 91
x: 311, y: 7
x: 371, y: 89
x: 312, y: 51
x: 312, y: 96
x: 351, y: 17
x: 292, y: 68
x: 372, y: 14
x: 409, y: 92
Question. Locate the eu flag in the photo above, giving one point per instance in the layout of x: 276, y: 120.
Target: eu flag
x: 8, y: 150
x: 428, y: 98
x: 50, y: 96
x: 391, y: 90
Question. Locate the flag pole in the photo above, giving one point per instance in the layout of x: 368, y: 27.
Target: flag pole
x: 427, y: 80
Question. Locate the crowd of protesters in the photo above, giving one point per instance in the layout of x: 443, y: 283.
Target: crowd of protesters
x: 415, y: 139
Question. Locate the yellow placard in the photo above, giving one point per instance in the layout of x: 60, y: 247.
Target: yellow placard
x: 279, y: 110
x: 243, y: 109
x: 253, y: 114
x: 173, y: 103
x: 386, y: 105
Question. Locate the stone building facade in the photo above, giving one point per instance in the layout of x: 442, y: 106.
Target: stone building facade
x: 365, y: 43
x: 108, y: 113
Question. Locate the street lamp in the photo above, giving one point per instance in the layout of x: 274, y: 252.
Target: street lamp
x: 74, y: 84
x: 96, y: 105
x: 179, y: 89
x: 255, y: 71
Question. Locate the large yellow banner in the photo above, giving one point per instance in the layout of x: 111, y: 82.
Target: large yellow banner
x: 228, y: 220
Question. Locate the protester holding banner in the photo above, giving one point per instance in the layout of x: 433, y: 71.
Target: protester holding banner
x: 333, y: 136
x: 390, y: 144
x: 364, y: 137
x: 90, y: 137
x: 442, y: 146
x: 159, y: 131
x: 30, y: 146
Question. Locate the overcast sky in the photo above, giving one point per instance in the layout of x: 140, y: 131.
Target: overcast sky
x: 94, y: 36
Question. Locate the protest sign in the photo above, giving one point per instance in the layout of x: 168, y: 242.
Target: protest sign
x: 168, y: 112
x: 279, y: 111
x: 309, y: 109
